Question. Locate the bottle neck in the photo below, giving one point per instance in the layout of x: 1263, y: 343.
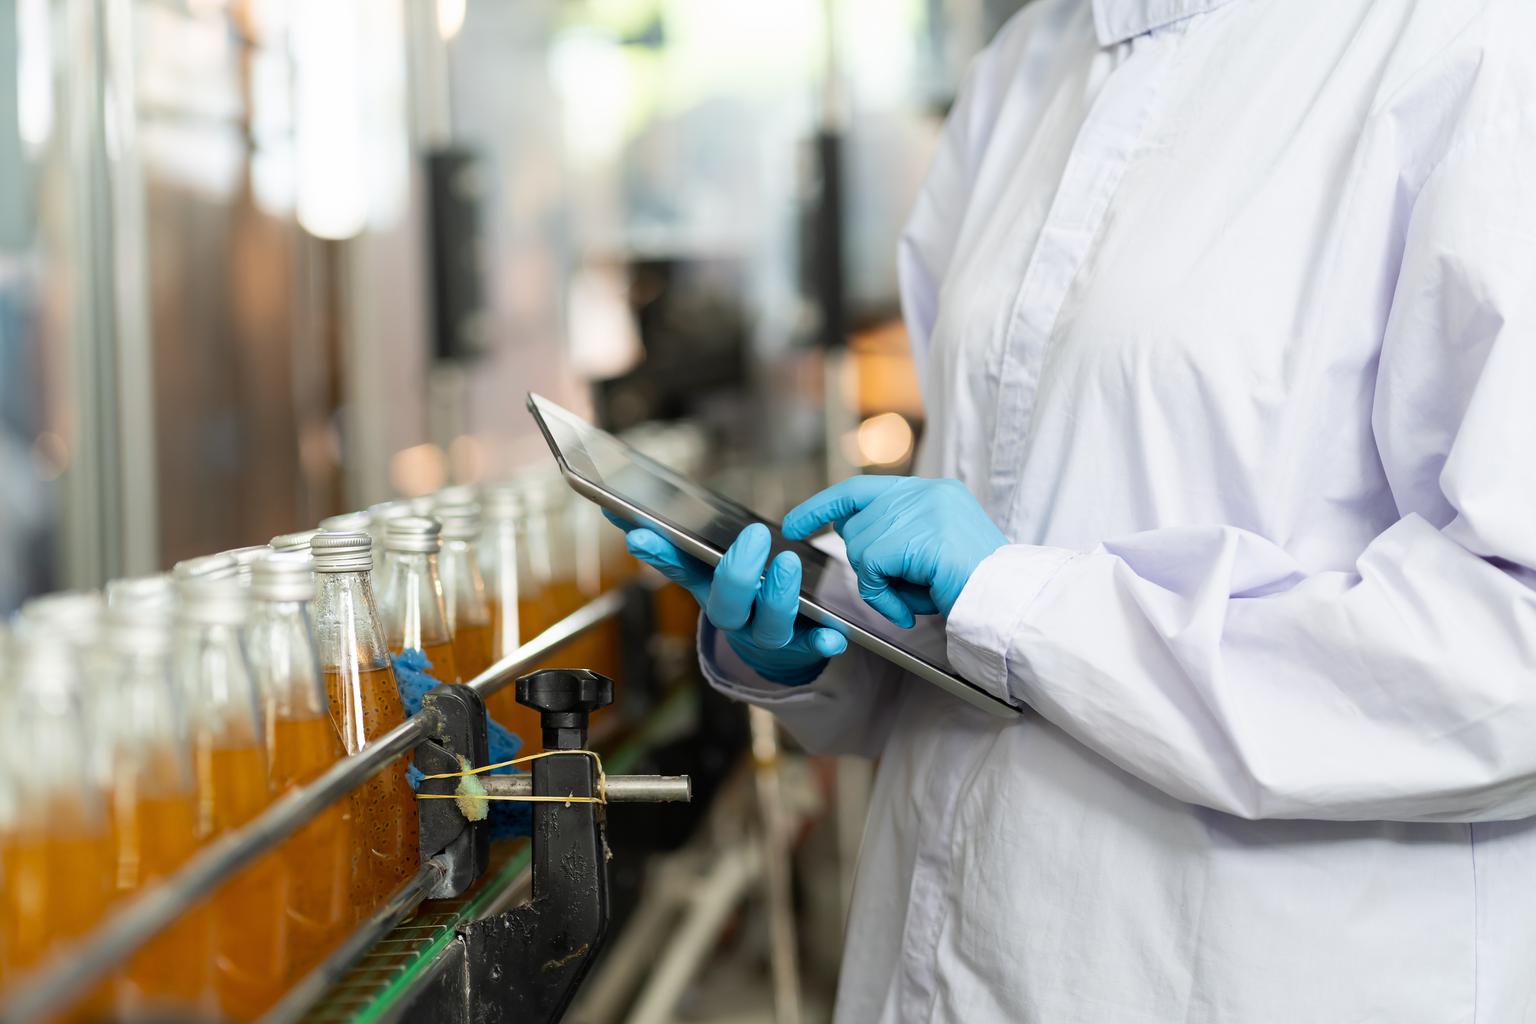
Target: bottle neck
x: 285, y: 662
x: 348, y: 634
x: 411, y: 602
x: 464, y: 594
x: 214, y: 677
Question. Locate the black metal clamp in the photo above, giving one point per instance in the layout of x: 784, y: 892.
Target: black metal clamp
x: 526, y: 964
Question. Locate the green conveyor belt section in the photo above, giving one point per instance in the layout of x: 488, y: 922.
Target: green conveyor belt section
x: 370, y: 990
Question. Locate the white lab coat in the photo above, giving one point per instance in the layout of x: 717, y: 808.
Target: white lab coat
x: 1226, y: 312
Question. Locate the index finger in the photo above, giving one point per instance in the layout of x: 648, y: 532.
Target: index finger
x: 835, y: 504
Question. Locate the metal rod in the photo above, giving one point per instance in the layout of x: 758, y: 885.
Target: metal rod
x: 506, y: 671
x: 153, y: 911
x: 308, y: 991
x: 621, y: 789
x: 150, y: 913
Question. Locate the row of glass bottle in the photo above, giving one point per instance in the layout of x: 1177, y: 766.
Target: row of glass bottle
x: 171, y: 712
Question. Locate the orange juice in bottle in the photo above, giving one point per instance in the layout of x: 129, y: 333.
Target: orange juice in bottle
x: 365, y: 702
x: 249, y: 947
x: 411, y: 604
x: 58, y: 856
x: 464, y: 596
x: 155, y: 801
x: 302, y: 742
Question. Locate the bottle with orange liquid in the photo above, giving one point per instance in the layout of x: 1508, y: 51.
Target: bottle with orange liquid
x: 302, y: 742
x: 58, y: 854
x: 155, y: 801
x: 516, y: 565
x: 411, y: 602
x: 464, y: 598
x: 365, y: 702
x: 233, y: 787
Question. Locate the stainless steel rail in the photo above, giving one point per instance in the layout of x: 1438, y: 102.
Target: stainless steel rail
x: 506, y: 671
x: 619, y: 789
x: 313, y: 985
x: 66, y: 976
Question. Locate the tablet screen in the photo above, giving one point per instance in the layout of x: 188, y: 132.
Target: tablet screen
x: 604, y: 460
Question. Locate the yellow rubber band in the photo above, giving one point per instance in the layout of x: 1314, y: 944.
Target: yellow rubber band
x: 597, y: 761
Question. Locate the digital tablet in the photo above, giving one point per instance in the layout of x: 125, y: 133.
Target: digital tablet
x: 605, y: 470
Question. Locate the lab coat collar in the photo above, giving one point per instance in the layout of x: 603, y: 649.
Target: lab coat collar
x: 1115, y: 21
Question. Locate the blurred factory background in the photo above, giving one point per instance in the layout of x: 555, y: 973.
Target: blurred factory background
x: 264, y: 261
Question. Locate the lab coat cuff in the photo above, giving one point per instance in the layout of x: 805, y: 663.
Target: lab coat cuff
x: 726, y: 672
x: 992, y: 607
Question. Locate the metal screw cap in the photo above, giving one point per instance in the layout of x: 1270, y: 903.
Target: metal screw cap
x: 283, y: 576
x: 342, y: 551
x: 293, y: 541
x: 413, y: 535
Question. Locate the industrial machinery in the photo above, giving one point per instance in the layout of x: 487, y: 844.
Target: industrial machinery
x: 511, y: 933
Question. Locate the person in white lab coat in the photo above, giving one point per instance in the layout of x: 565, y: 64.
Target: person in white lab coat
x: 1225, y: 315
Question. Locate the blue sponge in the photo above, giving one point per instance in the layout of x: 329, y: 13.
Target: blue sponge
x: 507, y: 817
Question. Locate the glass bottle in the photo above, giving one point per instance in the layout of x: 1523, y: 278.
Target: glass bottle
x: 464, y: 598
x: 230, y: 758
x: 76, y: 617
x: 411, y: 602
x: 58, y: 857
x: 302, y: 743
x: 516, y: 563
x: 365, y: 702
x: 155, y: 800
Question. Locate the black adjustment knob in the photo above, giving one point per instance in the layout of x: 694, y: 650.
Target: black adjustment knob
x: 564, y: 699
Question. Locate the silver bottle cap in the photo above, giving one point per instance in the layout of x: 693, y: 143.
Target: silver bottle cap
x: 413, y: 535
x: 458, y: 494
x: 156, y: 591
x: 347, y: 522
x: 220, y: 566
x: 460, y: 522
x: 504, y: 501
x: 342, y: 551
x: 283, y: 576
x: 139, y: 615
x: 73, y: 616
x: 293, y: 541
x: 211, y: 601
x: 384, y: 511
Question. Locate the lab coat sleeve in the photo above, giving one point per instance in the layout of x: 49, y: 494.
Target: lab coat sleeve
x: 1207, y: 662
x: 840, y: 712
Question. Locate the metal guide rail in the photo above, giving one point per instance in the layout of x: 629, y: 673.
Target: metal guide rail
x: 60, y: 982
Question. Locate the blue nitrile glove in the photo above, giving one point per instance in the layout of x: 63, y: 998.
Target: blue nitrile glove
x: 507, y: 817
x: 758, y: 614
x: 913, y: 542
